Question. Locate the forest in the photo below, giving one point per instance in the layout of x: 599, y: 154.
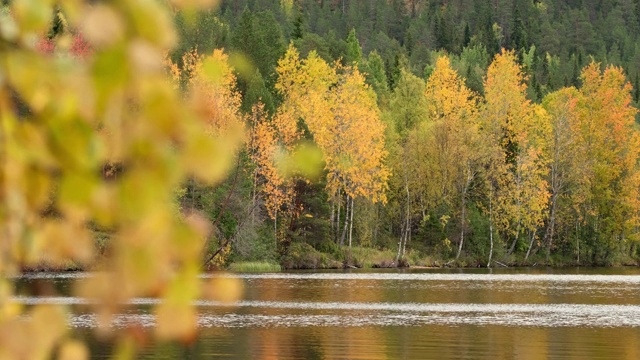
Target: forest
x: 401, y: 133
x: 449, y: 132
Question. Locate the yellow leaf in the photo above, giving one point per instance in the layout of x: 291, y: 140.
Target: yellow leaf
x: 176, y: 317
x: 305, y: 160
x: 33, y: 16
x: 102, y: 25
x: 73, y: 350
x: 224, y: 288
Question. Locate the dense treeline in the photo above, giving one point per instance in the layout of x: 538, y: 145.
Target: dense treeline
x: 445, y: 131
x: 554, y: 39
x: 499, y: 130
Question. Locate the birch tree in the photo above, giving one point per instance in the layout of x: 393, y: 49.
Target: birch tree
x: 520, y: 128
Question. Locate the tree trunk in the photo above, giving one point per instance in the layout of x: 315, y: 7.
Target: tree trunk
x: 351, y: 223
x: 403, y: 238
x: 578, y: 240
x: 464, y: 205
x: 254, y: 198
x: 518, y: 181
x: 406, y: 227
x: 400, y: 242
x: 346, y: 223
x: 407, y: 235
x: 548, y: 237
x: 467, y: 184
x: 376, y: 226
x: 490, y: 233
x: 337, y: 228
x: 333, y: 213
x: 533, y: 236
x: 512, y: 248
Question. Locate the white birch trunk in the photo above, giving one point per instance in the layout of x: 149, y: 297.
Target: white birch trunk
x: 337, y: 229
x: 490, y: 232
x: 351, y: 223
x: 346, y: 223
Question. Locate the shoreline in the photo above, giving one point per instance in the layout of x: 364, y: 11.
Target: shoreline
x: 43, y: 268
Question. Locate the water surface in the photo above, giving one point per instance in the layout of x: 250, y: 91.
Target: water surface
x: 411, y: 314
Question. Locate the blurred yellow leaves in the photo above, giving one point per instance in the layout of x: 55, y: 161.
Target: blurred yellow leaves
x: 195, y: 4
x: 62, y: 241
x: 102, y: 26
x: 35, y: 338
x: 8, y: 309
x: 152, y: 22
x: 225, y: 289
x: 196, y: 156
x: 103, y: 140
x: 305, y: 160
x: 32, y: 16
x: 210, y: 90
x: 176, y: 317
x: 73, y: 350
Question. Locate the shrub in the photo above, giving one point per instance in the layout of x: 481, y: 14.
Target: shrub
x: 304, y: 256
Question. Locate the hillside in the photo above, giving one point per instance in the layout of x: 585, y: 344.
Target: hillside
x: 555, y: 39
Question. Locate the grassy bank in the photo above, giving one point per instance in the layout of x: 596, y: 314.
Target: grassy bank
x: 301, y: 255
x: 304, y: 256
x: 254, y: 266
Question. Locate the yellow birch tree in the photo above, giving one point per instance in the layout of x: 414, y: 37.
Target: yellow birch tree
x: 564, y: 159
x: 355, y: 155
x: 519, y: 167
x: 607, y: 142
x: 452, y: 112
x: 340, y: 113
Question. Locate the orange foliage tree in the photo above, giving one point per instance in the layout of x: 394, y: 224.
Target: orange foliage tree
x: 210, y: 86
x: 264, y: 147
x: 340, y: 112
x: 607, y: 142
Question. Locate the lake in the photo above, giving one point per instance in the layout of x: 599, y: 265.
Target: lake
x: 399, y: 314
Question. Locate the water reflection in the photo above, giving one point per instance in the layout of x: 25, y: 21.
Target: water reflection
x: 363, y: 315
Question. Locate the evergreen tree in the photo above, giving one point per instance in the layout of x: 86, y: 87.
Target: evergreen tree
x: 258, y: 37
x: 298, y: 27
x: 257, y: 91
x: 354, y: 51
x: 204, y: 30
x: 466, y: 37
x: 518, y: 37
x: 377, y: 78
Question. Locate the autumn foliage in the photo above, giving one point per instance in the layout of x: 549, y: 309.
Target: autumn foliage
x: 435, y: 164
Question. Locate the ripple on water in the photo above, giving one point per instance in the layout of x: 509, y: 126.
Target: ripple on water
x: 552, y: 278
x: 347, y: 314
x: 512, y: 319
x: 256, y: 313
x: 520, y: 278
